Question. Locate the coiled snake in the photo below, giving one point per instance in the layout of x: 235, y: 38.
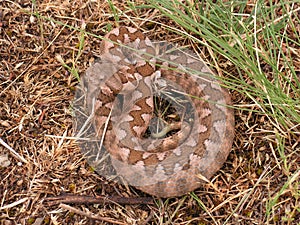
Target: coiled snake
x: 124, y: 88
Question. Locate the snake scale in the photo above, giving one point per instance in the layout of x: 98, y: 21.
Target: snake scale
x: 120, y: 91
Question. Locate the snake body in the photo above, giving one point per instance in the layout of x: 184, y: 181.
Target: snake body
x: 120, y: 89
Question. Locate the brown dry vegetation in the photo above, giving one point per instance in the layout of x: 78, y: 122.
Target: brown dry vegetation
x: 36, y: 93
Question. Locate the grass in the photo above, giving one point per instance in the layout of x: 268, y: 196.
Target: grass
x: 248, y: 41
x: 254, y: 49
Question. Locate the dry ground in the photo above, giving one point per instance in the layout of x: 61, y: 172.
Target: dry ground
x: 36, y: 93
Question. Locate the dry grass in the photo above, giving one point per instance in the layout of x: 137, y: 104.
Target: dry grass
x: 36, y: 93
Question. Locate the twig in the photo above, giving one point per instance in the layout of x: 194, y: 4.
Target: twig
x: 14, y: 204
x: 83, y: 199
x: 13, y: 151
x: 89, y: 215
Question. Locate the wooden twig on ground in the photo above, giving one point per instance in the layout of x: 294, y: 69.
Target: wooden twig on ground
x: 89, y: 215
x: 82, y: 199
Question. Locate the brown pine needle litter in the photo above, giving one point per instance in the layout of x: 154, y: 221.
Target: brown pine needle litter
x: 45, y: 46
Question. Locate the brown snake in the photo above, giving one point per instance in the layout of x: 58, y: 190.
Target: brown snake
x: 120, y: 89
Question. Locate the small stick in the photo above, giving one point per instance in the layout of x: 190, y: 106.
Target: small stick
x: 13, y: 151
x: 83, y: 199
x: 89, y: 215
x: 14, y: 203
